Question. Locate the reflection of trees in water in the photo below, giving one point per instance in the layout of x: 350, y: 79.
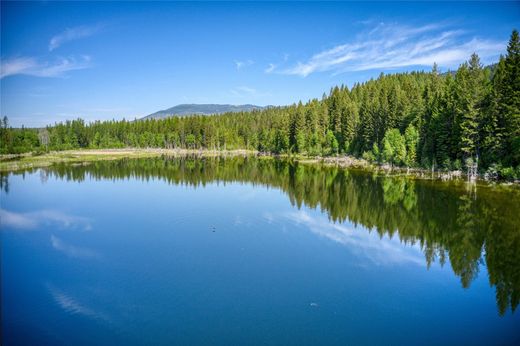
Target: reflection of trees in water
x: 467, y: 241
x: 448, y: 220
x: 4, y: 182
x: 44, y: 176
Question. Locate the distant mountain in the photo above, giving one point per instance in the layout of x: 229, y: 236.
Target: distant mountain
x: 200, y: 109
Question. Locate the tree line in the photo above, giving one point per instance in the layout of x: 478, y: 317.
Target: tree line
x: 418, y: 119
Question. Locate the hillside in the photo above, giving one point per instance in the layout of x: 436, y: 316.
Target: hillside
x: 201, y: 109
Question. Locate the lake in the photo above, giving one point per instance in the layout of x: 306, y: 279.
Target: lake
x: 255, y: 251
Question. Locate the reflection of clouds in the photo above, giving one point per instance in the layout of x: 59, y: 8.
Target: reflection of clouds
x: 269, y: 217
x: 16, y: 220
x: 240, y: 221
x: 381, y: 251
x: 71, y: 250
x: 34, y: 219
x: 73, y: 307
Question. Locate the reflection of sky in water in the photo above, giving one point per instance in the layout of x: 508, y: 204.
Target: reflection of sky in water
x: 366, y: 245
x: 32, y: 220
x: 73, y: 307
x: 71, y: 250
x: 144, y: 262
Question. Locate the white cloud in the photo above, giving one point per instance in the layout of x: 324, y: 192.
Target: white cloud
x: 270, y: 68
x: 16, y: 66
x: 33, y: 220
x: 241, y: 64
x: 390, y: 46
x: 72, y: 34
x: 31, y: 67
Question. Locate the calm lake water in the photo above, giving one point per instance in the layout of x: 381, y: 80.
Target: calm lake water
x: 254, y: 251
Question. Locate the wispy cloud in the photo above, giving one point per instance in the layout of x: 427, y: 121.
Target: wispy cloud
x: 270, y: 68
x: 71, y: 250
x: 16, y: 66
x: 241, y: 64
x: 59, y: 66
x: 390, y: 46
x: 72, y: 34
x: 33, y: 220
x: 32, y: 67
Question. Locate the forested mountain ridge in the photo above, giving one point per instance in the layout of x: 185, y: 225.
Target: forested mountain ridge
x: 408, y: 119
x: 201, y: 109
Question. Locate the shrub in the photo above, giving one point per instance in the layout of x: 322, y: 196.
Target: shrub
x: 508, y: 173
x: 457, y: 165
x: 369, y: 156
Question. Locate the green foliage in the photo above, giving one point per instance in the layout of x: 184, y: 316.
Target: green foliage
x: 369, y: 156
x: 471, y: 90
x: 457, y: 165
x: 394, y: 147
x: 17, y: 141
x: 497, y: 171
x: 331, y: 143
x: 411, y: 137
x: 372, y: 155
x: 190, y: 140
x: 375, y: 152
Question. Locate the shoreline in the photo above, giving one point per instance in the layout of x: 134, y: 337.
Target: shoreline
x: 14, y: 162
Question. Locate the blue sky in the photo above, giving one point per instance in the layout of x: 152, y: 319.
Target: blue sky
x: 109, y: 60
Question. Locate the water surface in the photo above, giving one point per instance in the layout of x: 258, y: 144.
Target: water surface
x: 254, y: 251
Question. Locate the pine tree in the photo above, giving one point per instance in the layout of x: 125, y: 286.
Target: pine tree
x: 510, y: 99
x: 445, y: 126
x: 493, y: 124
x: 349, y: 121
x: 411, y: 137
x: 471, y: 90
